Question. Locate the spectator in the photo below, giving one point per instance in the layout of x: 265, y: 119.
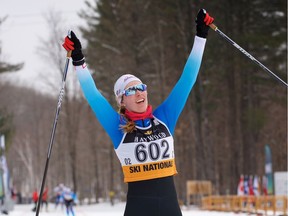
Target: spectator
x: 35, y: 199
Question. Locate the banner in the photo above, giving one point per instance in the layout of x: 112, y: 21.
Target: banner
x: 256, y: 187
x: 4, y: 173
x: 250, y: 185
x: 246, y: 185
x: 240, y: 189
x: 281, y: 183
x: 2, y: 186
x: 2, y: 142
x: 5, y: 195
x: 268, y: 170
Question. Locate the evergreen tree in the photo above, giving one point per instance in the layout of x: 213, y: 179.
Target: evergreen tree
x: 6, y: 127
x: 231, y: 106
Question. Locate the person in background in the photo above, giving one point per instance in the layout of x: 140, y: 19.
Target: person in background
x: 14, y: 193
x: 143, y: 137
x: 70, y: 199
x: 35, y: 199
x: 58, y: 195
x: 112, y: 196
x: 45, y: 199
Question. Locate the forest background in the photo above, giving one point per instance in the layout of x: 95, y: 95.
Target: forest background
x: 234, y: 109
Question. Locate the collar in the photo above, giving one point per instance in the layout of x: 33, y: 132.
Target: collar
x: 139, y: 116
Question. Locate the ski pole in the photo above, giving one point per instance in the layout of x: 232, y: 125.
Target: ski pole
x: 60, y: 98
x: 215, y: 28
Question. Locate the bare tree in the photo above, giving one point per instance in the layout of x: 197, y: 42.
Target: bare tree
x: 53, y: 51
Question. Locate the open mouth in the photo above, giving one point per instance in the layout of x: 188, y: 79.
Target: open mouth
x: 140, y: 101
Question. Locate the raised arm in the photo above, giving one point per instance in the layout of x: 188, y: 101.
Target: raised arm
x: 170, y: 110
x: 104, y: 112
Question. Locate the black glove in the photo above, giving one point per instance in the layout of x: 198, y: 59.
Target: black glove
x: 203, y: 21
x: 74, y: 44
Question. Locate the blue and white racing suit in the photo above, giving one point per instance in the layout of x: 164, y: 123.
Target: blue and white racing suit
x: 147, y: 154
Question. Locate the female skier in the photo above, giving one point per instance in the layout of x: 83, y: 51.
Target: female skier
x: 143, y: 142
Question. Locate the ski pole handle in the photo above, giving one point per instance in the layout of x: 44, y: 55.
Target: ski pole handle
x: 69, y: 53
x: 212, y: 26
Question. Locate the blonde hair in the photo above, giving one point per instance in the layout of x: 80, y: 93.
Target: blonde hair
x: 130, y: 125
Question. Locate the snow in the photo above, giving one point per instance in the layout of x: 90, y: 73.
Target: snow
x: 103, y: 209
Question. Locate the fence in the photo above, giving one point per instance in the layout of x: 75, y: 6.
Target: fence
x: 249, y: 204
x: 196, y: 190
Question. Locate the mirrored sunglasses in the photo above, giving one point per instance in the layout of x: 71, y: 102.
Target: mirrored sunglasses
x: 132, y: 90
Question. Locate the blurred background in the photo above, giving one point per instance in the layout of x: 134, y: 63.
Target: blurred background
x: 234, y: 112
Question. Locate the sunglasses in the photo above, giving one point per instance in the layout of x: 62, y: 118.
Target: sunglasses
x: 132, y: 90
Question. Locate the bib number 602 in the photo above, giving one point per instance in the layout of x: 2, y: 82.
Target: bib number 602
x: 153, y: 150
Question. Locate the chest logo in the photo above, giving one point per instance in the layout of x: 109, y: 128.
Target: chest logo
x: 148, y: 132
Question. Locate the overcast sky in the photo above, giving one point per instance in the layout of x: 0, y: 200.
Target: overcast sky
x: 25, y: 24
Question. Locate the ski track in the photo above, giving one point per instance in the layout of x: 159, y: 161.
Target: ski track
x: 103, y: 209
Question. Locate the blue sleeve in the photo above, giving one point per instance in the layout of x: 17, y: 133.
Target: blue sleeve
x: 170, y: 110
x: 105, y: 113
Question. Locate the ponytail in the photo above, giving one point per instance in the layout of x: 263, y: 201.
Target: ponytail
x: 130, y: 126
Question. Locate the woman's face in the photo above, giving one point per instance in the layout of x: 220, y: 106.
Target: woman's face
x: 137, y: 102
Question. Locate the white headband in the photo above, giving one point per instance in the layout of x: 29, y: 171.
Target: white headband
x: 121, y: 83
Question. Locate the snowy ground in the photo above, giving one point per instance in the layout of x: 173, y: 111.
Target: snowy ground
x: 104, y: 209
